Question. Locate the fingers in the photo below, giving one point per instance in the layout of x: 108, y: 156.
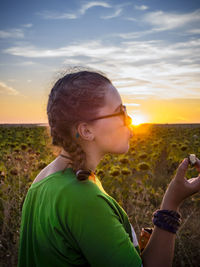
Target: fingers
x: 194, y: 184
x: 182, y: 168
x: 197, y: 165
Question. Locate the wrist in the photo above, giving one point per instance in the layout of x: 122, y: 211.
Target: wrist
x: 168, y: 206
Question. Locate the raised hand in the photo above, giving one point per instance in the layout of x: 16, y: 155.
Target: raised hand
x: 180, y: 188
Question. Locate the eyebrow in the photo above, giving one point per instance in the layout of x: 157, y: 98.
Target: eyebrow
x: 118, y: 107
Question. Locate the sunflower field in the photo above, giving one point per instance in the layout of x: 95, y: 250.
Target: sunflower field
x: 137, y: 180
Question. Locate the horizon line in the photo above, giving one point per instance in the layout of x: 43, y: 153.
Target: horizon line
x: 40, y: 123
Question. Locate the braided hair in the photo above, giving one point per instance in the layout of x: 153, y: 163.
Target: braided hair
x: 74, y: 98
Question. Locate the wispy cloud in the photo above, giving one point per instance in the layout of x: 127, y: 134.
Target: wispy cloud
x: 28, y: 25
x: 142, y: 7
x: 132, y: 104
x: 194, y: 31
x: 162, y: 21
x: 89, y: 5
x: 56, y: 15
x: 26, y: 63
x: 131, y: 35
x: 7, y: 90
x: 152, y: 68
x: 129, y: 51
x: 46, y: 14
x: 12, y: 33
x: 114, y: 15
x: 91, y: 49
x: 130, y: 19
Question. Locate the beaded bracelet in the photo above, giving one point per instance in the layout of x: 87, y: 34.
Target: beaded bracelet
x: 168, y: 220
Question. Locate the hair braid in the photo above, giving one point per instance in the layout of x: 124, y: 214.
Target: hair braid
x: 76, y: 153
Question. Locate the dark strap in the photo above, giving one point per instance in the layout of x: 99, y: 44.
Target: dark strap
x: 65, y: 156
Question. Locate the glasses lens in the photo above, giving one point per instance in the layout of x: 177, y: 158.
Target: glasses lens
x: 127, y: 118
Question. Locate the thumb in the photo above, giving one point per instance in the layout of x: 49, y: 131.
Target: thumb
x: 182, y: 169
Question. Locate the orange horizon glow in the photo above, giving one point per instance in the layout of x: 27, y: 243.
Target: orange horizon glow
x: 15, y: 109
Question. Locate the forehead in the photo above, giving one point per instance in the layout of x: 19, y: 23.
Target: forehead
x: 112, y: 99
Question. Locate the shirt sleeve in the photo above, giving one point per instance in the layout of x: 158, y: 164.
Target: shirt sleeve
x: 100, y: 235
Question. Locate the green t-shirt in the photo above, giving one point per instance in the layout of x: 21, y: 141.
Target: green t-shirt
x: 66, y: 222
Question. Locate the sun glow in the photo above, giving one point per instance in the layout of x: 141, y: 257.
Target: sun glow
x: 138, y: 119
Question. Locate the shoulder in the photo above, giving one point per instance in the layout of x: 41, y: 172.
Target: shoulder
x: 49, y: 169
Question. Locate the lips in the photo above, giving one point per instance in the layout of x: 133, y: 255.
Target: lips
x: 131, y: 134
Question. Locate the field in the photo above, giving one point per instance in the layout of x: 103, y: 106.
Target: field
x: 137, y: 180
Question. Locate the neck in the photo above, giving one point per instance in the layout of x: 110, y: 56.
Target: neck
x: 93, y: 155
x: 92, y: 158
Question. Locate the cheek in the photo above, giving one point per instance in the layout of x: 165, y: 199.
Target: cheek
x: 113, y: 139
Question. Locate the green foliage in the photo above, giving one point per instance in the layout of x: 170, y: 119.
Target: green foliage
x: 126, y: 171
x: 184, y: 147
x: 143, y: 156
x: 115, y: 171
x: 143, y: 166
x: 124, y: 160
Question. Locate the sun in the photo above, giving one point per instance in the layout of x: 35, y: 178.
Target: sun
x: 138, y: 119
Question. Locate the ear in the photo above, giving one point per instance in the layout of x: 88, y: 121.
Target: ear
x: 85, y: 131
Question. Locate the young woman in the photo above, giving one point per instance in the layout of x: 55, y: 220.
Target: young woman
x: 67, y: 218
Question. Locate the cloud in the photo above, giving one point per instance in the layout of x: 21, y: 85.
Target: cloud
x: 130, y: 19
x: 46, y: 14
x: 89, y: 5
x: 129, y: 51
x: 28, y: 25
x: 26, y: 63
x: 90, y: 49
x: 55, y: 15
x: 152, y: 68
x: 12, y: 33
x: 132, y: 104
x: 6, y: 90
x: 114, y: 15
x: 194, y: 31
x: 142, y: 7
x: 162, y: 21
x: 130, y: 35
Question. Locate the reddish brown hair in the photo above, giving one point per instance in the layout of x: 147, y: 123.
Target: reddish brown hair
x: 74, y: 98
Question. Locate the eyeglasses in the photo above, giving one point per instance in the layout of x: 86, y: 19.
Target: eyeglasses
x: 123, y: 112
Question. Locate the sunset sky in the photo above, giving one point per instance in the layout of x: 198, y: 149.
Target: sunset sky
x: 150, y: 50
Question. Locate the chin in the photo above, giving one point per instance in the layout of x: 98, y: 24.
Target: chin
x: 122, y: 150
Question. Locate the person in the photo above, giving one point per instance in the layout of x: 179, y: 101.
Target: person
x: 67, y: 218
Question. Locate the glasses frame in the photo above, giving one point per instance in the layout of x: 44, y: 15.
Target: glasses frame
x: 123, y: 112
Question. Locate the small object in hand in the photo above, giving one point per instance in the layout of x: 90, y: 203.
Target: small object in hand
x: 144, y: 237
x: 192, y: 159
